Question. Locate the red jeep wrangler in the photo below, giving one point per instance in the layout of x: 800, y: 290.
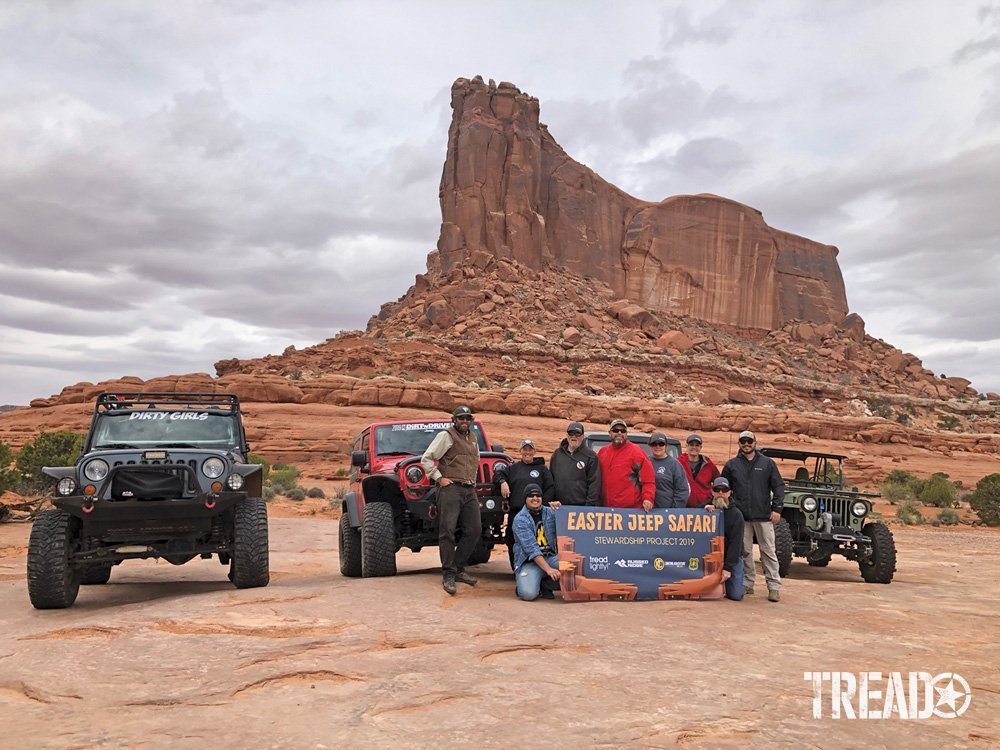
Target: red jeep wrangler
x: 391, y: 502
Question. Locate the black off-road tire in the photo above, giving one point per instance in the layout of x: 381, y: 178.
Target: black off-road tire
x: 52, y: 582
x: 95, y: 574
x: 783, y: 546
x: 250, y: 567
x: 378, y: 541
x: 883, y: 559
x: 481, y: 554
x: 350, y: 548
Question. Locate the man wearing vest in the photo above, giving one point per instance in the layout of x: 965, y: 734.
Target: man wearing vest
x: 456, y: 451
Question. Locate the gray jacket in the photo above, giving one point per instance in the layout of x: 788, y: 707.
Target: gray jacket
x: 672, y: 488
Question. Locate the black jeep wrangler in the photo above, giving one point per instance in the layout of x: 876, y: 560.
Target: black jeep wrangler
x: 160, y: 475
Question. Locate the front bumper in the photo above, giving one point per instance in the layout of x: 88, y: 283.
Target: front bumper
x: 132, y: 519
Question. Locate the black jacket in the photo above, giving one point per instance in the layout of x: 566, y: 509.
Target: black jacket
x: 733, y: 522
x: 577, y: 475
x: 758, y: 488
x: 519, y: 475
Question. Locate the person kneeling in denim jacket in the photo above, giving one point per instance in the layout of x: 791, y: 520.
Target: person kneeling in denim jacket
x: 536, y: 561
x: 732, y: 520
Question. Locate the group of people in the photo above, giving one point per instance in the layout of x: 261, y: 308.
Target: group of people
x: 748, y: 491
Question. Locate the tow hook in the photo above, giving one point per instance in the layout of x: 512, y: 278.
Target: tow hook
x: 210, y: 502
x: 88, y: 506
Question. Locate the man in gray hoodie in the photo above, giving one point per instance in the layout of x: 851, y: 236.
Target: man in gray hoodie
x: 672, y: 488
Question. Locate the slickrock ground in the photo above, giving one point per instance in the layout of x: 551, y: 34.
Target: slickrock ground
x: 167, y: 656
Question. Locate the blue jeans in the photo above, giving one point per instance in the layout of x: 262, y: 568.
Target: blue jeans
x: 529, y: 577
x: 734, y: 586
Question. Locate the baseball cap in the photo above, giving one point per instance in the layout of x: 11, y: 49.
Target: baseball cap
x: 528, y: 441
x: 693, y: 438
x: 748, y: 434
x: 657, y: 437
x: 721, y: 482
x: 574, y: 427
x: 532, y: 489
x: 618, y: 423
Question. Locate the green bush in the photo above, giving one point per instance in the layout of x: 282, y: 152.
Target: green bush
x: 900, y: 486
x: 265, y: 470
x: 269, y: 492
x: 295, y: 493
x: 948, y: 517
x: 909, y: 514
x: 985, y: 499
x: 48, y: 449
x: 315, y: 492
x: 948, y: 422
x: 938, y: 491
x: 284, y: 476
x: 880, y: 407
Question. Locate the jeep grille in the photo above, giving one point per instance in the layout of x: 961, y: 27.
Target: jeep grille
x: 188, y: 477
x: 838, y: 505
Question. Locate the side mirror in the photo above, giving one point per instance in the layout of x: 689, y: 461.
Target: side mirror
x: 496, y: 448
x: 359, y: 458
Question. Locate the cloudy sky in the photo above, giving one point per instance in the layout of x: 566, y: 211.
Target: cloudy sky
x: 189, y: 181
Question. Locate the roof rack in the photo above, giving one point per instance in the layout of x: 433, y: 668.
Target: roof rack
x: 132, y: 399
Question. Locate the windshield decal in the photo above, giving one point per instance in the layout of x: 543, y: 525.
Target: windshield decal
x: 421, y: 426
x: 173, y: 416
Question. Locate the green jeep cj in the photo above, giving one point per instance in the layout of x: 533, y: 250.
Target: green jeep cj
x: 821, y: 518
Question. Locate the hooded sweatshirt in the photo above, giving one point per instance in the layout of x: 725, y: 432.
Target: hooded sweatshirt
x: 577, y: 475
x: 626, y: 475
x: 519, y: 475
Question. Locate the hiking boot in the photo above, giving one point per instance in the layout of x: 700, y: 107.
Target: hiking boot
x: 773, y: 595
x: 466, y: 578
x: 748, y: 591
x: 449, y: 585
x: 547, y: 593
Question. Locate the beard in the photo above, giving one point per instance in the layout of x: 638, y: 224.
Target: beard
x: 720, y: 502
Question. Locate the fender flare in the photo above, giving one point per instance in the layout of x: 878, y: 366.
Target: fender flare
x: 352, y: 510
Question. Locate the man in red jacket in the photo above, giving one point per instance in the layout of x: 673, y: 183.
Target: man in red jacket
x: 701, y: 472
x: 626, y: 471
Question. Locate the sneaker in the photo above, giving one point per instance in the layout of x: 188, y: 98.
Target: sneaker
x: 748, y: 591
x: 773, y: 595
x: 466, y: 578
x: 449, y: 585
x: 546, y: 593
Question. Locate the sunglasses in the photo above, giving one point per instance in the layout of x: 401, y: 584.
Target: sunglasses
x: 533, y: 494
x: 657, y: 445
x: 746, y: 441
x: 574, y: 433
x: 720, y: 490
x: 467, y: 419
x: 619, y: 430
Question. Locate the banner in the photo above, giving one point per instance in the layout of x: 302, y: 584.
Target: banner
x: 623, y: 554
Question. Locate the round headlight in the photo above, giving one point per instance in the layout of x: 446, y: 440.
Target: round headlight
x: 213, y: 468
x: 414, y: 474
x: 96, y: 470
x: 491, y: 504
x: 66, y: 486
x: 234, y: 482
x: 809, y: 504
x: 500, y: 466
x: 860, y: 508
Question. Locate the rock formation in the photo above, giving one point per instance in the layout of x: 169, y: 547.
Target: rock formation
x: 508, y: 189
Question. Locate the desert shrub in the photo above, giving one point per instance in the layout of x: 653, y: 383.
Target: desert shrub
x: 938, y: 491
x: 948, y: 422
x: 284, y: 477
x: 315, y: 492
x: 295, y: 493
x: 985, y: 499
x: 880, y: 407
x: 948, y: 517
x: 48, y: 449
x: 269, y: 492
x: 900, y: 486
x: 253, y: 458
x: 909, y: 514
x: 7, y: 474
x: 341, y: 472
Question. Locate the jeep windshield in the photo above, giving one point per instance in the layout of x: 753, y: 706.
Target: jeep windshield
x: 412, y: 438
x: 149, y: 428
x: 598, y: 441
